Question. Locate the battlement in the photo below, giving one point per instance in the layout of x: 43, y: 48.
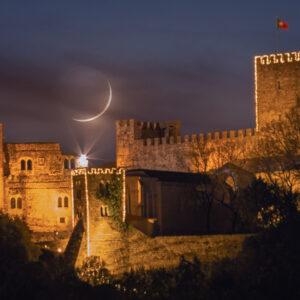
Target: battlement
x: 211, y: 136
x: 143, y: 130
x: 97, y: 171
x: 287, y: 57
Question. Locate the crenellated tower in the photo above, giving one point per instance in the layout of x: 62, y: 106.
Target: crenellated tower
x: 128, y: 132
x: 277, y: 86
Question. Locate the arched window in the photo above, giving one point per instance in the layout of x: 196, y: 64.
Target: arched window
x: 12, y: 203
x: 23, y: 165
x: 59, y: 203
x: 29, y: 165
x: 72, y: 164
x: 66, y: 164
x: 19, y: 203
x: 66, y: 202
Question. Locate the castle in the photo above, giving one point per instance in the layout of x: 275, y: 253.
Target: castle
x: 159, y: 146
x: 36, y: 181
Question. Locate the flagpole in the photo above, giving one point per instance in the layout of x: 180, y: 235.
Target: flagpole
x: 277, y: 38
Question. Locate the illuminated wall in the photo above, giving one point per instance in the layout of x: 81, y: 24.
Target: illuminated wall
x: 99, y: 237
x: 277, y: 86
x: 178, y: 153
x: 37, y: 185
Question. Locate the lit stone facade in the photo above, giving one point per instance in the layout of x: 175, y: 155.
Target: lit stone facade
x: 36, y: 185
x: 99, y: 236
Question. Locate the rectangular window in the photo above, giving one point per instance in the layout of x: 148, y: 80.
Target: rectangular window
x: 62, y: 220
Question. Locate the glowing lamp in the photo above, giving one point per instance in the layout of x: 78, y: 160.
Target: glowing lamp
x: 83, y: 162
x: 59, y: 250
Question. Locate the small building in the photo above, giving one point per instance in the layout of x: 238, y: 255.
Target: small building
x: 174, y: 203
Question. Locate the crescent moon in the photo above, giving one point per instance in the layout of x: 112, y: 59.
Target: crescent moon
x: 103, y: 111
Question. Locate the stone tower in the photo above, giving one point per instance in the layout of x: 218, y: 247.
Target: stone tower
x: 277, y: 86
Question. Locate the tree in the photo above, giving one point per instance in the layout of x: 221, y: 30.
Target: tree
x: 278, y: 151
x: 265, y: 206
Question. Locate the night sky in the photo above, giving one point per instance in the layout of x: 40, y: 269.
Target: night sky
x: 166, y: 60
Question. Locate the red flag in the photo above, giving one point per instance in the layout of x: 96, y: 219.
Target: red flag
x: 282, y: 24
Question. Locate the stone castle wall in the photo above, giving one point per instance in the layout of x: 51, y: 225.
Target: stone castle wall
x: 187, y: 153
x: 99, y: 238
x: 145, y: 145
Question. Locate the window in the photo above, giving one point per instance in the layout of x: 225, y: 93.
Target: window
x: 104, y: 211
x: 72, y: 164
x: 23, y: 165
x: 59, y: 204
x: 66, y: 202
x: 62, y: 220
x: 19, y: 203
x: 78, y: 194
x: 12, y: 203
x: 66, y: 164
x: 29, y: 165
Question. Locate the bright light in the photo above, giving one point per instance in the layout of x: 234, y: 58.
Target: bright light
x: 59, y: 250
x: 83, y: 162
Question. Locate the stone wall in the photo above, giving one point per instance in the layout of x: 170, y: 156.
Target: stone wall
x: 179, y: 153
x: 134, y: 250
x: 38, y: 187
x: 277, y: 86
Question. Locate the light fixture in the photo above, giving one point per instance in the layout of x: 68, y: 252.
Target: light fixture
x: 82, y: 161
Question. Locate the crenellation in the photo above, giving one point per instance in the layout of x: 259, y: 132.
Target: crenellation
x: 232, y: 134
x: 241, y: 133
x: 225, y: 134
x: 287, y: 57
x: 187, y: 138
x: 209, y: 136
x: 217, y: 135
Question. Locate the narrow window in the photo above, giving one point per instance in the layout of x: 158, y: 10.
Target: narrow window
x: 72, y: 164
x: 29, y: 165
x: 59, y: 204
x: 12, y: 203
x: 66, y: 202
x: 19, y: 203
x: 23, y: 165
x: 78, y: 194
x: 62, y: 220
x: 66, y: 164
x: 278, y: 84
x: 101, y: 211
x: 106, y: 211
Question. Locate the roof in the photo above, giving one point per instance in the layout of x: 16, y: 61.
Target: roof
x: 168, y: 176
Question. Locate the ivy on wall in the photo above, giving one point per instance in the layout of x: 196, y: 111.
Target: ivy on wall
x: 110, y: 193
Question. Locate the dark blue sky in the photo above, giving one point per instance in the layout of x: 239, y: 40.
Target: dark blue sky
x: 166, y: 60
